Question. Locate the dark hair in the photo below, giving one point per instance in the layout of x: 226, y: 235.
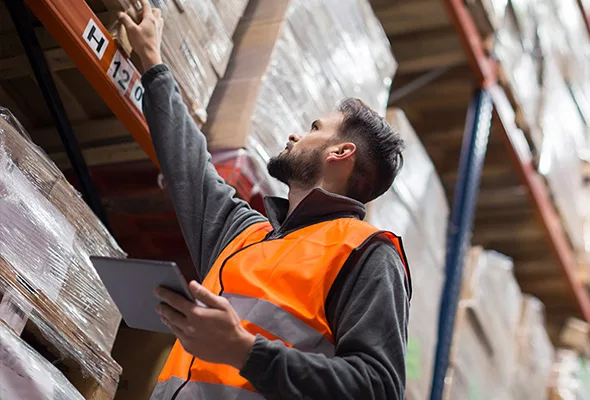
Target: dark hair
x: 379, y: 150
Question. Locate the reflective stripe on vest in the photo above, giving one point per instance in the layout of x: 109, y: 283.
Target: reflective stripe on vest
x: 280, y: 323
x: 278, y: 288
x: 201, y: 390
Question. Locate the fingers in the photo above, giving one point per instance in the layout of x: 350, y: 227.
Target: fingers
x: 157, y: 13
x: 171, y: 317
x: 146, y: 7
x: 209, y: 299
x: 126, y: 21
x: 176, y: 301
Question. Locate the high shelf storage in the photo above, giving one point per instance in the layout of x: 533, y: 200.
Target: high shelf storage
x: 442, y: 58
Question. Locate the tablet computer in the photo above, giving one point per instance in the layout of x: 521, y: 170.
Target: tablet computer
x: 131, y: 284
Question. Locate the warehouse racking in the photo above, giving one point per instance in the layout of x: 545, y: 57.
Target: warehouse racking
x: 93, y: 50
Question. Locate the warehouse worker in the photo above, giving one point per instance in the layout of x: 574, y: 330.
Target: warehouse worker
x: 311, y: 303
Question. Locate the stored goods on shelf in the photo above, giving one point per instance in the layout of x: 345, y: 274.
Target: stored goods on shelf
x: 571, y: 376
x: 293, y: 61
x: 416, y: 208
x: 47, y: 234
x: 484, y: 354
x: 230, y: 12
x: 196, y: 44
x: 25, y: 374
x: 535, y: 353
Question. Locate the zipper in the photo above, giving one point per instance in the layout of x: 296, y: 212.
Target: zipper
x: 188, y: 378
x: 268, y: 237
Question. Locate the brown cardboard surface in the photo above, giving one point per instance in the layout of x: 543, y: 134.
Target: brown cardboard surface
x: 266, y: 11
x: 230, y: 113
x: 142, y: 355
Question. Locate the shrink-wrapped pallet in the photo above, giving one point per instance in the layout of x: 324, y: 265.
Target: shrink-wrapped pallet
x: 230, y: 12
x: 570, y: 376
x: 196, y: 44
x: 293, y: 62
x: 484, y: 354
x: 25, y: 374
x: 535, y: 353
x: 47, y: 234
x: 416, y: 209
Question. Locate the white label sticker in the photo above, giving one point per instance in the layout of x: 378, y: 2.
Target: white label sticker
x: 97, y: 40
x: 13, y: 314
x: 120, y: 72
x: 136, y: 94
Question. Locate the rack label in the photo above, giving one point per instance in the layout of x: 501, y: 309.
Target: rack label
x: 136, y: 94
x: 97, y: 40
x: 120, y: 72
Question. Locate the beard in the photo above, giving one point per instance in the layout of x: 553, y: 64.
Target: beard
x: 302, y: 169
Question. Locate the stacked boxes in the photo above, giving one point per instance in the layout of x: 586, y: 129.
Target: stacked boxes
x: 544, y: 51
x: 24, y: 374
x: 293, y: 61
x: 484, y: 353
x: 535, y: 353
x: 416, y: 209
x: 47, y: 234
x: 197, y: 44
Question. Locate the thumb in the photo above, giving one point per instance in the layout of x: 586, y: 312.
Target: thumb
x: 203, y: 295
x: 126, y: 21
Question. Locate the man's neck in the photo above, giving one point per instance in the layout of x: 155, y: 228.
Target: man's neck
x: 296, y: 195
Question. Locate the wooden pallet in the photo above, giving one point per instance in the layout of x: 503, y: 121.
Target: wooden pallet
x: 62, y: 342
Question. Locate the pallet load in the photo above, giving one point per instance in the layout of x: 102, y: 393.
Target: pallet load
x: 196, y: 44
x: 535, y: 353
x: 571, y: 376
x: 416, y: 209
x: 50, y: 290
x: 293, y: 62
x: 25, y: 374
x: 484, y: 353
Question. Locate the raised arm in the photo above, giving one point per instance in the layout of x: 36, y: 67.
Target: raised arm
x: 209, y: 214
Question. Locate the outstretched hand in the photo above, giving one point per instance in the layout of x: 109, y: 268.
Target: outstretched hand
x: 145, y: 37
x: 212, y: 333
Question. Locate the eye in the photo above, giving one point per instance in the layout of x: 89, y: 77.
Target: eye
x: 314, y: 127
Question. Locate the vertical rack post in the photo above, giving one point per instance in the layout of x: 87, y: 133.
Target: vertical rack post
x: 24, y: 28
x: 473, y: 150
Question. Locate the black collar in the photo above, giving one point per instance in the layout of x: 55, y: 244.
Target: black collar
x: 319, y: 205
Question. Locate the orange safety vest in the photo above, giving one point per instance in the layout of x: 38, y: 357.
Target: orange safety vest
x: 278, y: 288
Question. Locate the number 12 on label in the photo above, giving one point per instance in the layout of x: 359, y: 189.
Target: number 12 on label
x: 120, y: 72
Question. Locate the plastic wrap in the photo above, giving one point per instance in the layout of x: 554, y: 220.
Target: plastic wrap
x: 571, y: 377
x: 230, y: 12
x: 24, y: 374
x: 196, y: 45
x: 535, y: 353
x: 515, y: 48
x: 291, y: 68
x: 418, y: 212
x: 563, y: 136
x: 47, y: 234
x: 483, y: 355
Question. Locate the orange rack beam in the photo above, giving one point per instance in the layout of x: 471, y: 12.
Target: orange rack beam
x: 86, y: 41
x: 485, y: 71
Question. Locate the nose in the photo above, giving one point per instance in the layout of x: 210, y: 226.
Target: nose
x: 294, y: 138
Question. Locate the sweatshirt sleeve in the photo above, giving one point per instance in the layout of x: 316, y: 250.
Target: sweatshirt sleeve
x: 207, y: 211
x: 369, y: 315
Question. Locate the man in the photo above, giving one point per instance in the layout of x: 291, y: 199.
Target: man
x: 309, y: 304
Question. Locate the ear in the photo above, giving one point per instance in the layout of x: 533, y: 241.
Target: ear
x: 341, y: 152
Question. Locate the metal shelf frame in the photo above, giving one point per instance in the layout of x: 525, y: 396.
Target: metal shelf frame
x: 473, y: 151
x: 94, y: 51
x: 464, y: 204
